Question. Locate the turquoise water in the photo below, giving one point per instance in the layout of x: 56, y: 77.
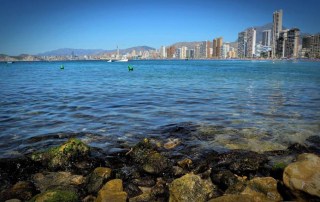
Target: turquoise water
x: 257, y: 105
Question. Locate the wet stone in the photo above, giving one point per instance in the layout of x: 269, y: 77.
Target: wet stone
x: 132, y: 190
x: 112, y: 191
x: 63, y: 156
x: 96, y: 179
x: 56, y: 195
x: 50, y: 180
x: 144, y: 181
x: 21, y: 190
x: 190, y: 187
x: 224, y: 179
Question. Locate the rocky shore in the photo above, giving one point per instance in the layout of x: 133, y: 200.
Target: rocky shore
x: 148, y: 171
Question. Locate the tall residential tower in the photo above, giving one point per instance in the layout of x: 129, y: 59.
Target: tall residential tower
x: 277, y: 28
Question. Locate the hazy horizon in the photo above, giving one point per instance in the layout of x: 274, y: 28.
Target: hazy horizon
x: 33, y: 27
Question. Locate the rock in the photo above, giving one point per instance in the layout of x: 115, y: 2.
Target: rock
x: 89, y: 198
x: 51, y: 180
x: 148, y: 159
x: 224, y: 179
x: 132, y: 190
x: 172, y: 143
x: 234, y: 197
x: 63, y: 156
x: 185, y: 163
x: 263, y: 189
x: 178, y: 171
x: 21, y: 190
x: 145, y: 197
x: 56, y: 195
x: 144, y: 181
x: 13, y: 200
x: 97, y: 178
x: 190, y: 187
x: 303, y: 175
x: 112, y: 191
x: 239, y: 162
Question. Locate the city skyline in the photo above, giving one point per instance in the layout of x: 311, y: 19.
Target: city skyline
x: 37, y: 26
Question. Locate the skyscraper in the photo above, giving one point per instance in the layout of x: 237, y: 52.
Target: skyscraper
x: 217, y: 46
x: 266, y: 37
x: 208, y: 46
x: 183, y: 53
x: 171, y: 51
x: 163, y: 52
x: 288, y: 43
x: 277, y: 28
x: 251, y: 43
x: 242, y: 44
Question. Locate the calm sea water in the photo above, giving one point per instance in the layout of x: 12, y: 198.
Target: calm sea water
x: 257, y: 105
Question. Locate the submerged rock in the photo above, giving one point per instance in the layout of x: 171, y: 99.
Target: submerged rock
x: 148, y: 159
x: 56, y: 195
x: 190, y: 187
x: 304, y: 175
x: 53, y: 180
x: 63, y: 156
x: 112, y: 191
x: 240, y: 162
x: 224, y: 179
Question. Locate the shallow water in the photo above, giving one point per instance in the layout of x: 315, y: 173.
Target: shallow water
x: 256, y: 105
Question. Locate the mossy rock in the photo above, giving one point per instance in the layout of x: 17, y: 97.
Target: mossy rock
x: 56, y: 195
x: 148, y: 159
x: 62, y: 155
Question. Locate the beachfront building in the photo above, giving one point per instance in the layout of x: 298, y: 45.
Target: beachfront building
x: 224, y: 50
x: 190, y: 53
x: 216, y: 47
x: 163, y: 52
x: 197, y: 51
x: 251, y: 43
x: 242, y: 44
x: 183, y: 53
x: 288, y: 43
x: 171, y: 50
x: 311, y: 46
x: 208, y: 46
x: 266, y: 37
x: 203, y: 50
x: 232, y: 53
x: 277, y: 28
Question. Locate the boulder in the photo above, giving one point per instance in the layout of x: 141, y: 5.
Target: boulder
x: 64, y: 155
x: 147, y: 158
x: 112, y: 191
x: 21, y: 190
x: 234, y: 197
x: 56, y: 195
x: 52, y: 180
x: 190, y: 187
x: 97, y: 178
x: 303, y: 175
x: 263, y: 189
x: 224, y: 179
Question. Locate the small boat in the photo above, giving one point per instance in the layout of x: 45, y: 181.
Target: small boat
x: 109, y: 60
x: 9, y: 62
x: 123, y: 60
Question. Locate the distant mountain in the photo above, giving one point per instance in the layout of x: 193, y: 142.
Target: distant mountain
x: 82, y: 52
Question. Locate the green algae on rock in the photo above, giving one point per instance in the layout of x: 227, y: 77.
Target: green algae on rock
x: 145, y: 155
x: 96, y: 179
x: 56, y: 195
x: 62, y: 155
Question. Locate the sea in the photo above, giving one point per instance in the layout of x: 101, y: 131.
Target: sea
x: 201, y: 104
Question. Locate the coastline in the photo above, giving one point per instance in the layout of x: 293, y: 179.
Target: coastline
x: 150, y: 171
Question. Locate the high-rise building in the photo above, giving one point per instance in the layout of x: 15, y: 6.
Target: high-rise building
x: 197, y: 51
x: 288, y: 43
x: 251, y: 43
x: 171, y: 51
x: 266, y: 37
x: 311, y: 46
x: 163, y: 52
x: 208, y: 46
x: 242, y: 44
x: 203, y: 50
x: 178, y: 53
x: 183, y: 53
x: 277, y: 28
x: 190, y: 53
x: 217, y: 47
x: 224, y: 50
x: 315, y: 47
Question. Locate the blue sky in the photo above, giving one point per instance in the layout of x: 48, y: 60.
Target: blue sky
x: 35, y: 26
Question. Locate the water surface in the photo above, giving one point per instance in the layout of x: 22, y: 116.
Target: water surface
x: 256, y: 105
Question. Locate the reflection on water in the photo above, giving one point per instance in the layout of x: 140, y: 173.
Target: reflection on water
x: 230, y: 104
